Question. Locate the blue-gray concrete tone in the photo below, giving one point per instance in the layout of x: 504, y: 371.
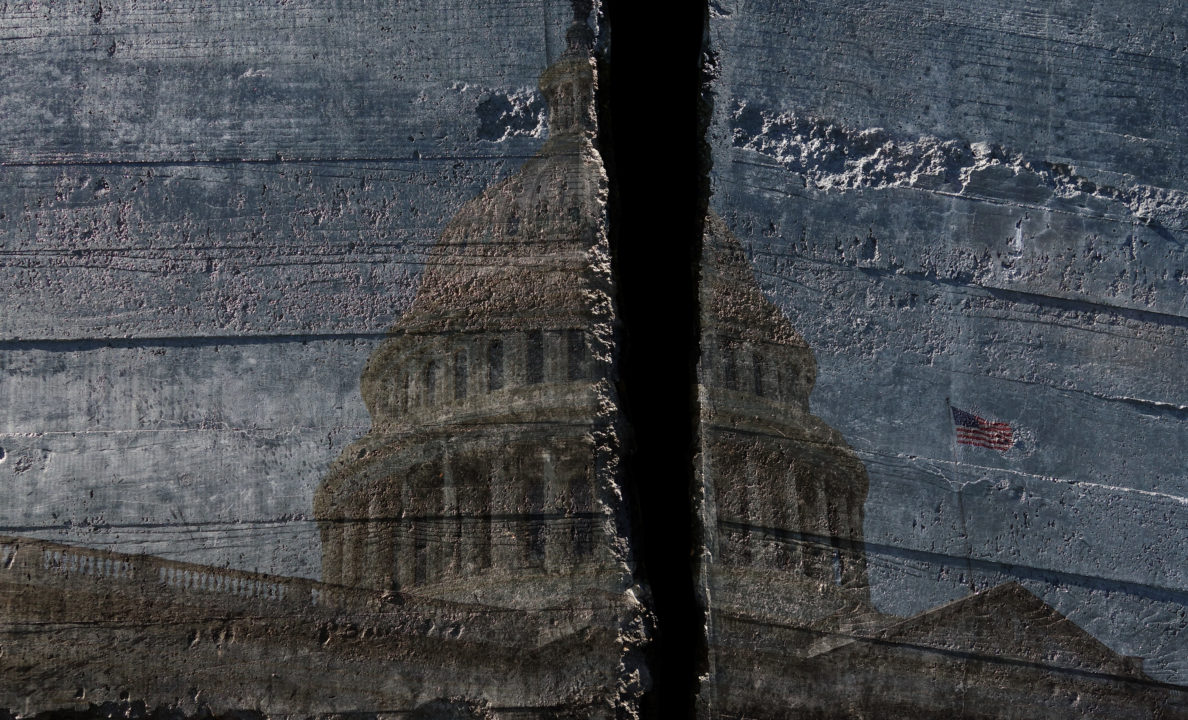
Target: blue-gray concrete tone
x: 210, y: 213
x: 983, y: 206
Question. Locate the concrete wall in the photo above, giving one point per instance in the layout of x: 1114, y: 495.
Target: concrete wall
x: 982, y: 204
x: 210, y: 212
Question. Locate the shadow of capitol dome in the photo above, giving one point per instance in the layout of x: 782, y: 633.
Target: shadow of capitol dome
x: 489, y: 470
x: 490, y: 475
x: 784, y: 495
x: 474, y: 544
x: 791, y: 629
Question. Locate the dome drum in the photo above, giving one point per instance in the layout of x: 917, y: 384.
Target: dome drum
x: 786, y: 505
x: 460, y: 377
x: 440, y: 509
x: 762, y: 372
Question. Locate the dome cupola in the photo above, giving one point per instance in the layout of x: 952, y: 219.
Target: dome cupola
x: 568, y: 84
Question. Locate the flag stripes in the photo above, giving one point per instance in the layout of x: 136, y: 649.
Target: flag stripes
x: 974, y: 430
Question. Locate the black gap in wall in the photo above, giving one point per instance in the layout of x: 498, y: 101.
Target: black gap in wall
x: 652, y: 140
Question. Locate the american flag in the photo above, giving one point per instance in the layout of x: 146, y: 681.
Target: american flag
x: 973, y: 430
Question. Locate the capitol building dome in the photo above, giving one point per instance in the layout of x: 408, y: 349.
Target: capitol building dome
x: 490, y: 464
x: 489, y: 472
x: 784, y: 495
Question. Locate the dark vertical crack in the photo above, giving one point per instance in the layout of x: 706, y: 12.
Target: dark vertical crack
x: 652, y: 137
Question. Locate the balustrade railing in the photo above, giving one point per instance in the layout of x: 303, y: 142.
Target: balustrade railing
x: 37, y: 560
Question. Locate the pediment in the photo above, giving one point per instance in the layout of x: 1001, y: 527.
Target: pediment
x: 1008, y: 622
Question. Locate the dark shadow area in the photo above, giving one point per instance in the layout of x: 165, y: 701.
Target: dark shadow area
x: 137, y: 710
x: 1016, y: 571
x: 652, y: 141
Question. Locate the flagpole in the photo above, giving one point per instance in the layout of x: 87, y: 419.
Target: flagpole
x: 957, y: 469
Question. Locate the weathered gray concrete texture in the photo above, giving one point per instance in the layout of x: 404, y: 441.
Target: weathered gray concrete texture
x: 210, y: 212
x: 792, y: 630
x: 983, y: 204
x: 471, y: 538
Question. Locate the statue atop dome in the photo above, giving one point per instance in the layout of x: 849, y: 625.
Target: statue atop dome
x: 568, y: 84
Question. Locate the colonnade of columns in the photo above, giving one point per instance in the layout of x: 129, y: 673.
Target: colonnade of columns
x: 527, y: 506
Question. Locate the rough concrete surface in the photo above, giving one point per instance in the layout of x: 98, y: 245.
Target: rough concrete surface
x: 980, y: 207
x: 252, y: 240
x: 313, y: 385
x: 206, y: 230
